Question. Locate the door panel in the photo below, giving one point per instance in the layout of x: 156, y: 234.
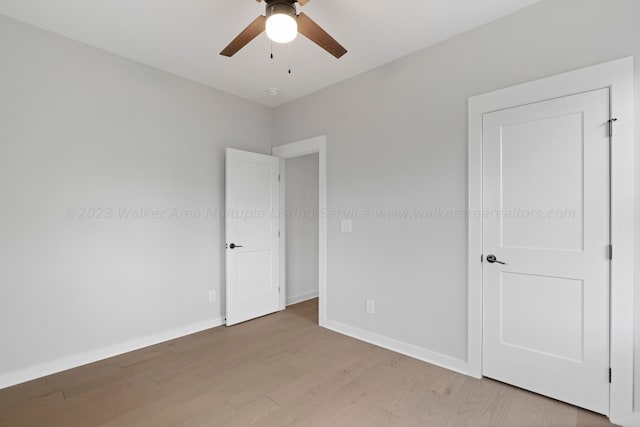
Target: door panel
x: 251, y: 280
x: 546, y: 203
x: 558, y: 329
x: 534, y: 155
x: 252, y: 223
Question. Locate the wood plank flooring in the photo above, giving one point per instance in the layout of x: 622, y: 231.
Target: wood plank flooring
x: 278, y: 370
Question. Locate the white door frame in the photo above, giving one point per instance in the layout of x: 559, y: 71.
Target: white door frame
x: 288, y: 151
x: 618, y: 76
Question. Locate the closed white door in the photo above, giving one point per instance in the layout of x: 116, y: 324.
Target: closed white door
x: 546, y: 217
x: 252, y: 237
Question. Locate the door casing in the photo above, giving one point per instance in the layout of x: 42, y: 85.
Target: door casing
x: 618, y: 76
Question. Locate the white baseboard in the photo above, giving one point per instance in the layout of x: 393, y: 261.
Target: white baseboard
x: 410, y: 350
x: 301, y: 298
x: 69, y: 362
x: 625, y: 418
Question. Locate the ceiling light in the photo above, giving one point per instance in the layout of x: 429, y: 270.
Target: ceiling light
x: 282, y: 26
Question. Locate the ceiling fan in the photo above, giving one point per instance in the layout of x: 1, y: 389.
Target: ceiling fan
x: 282, y: 24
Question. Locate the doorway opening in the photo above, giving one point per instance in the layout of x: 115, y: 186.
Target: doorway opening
x: 303, y: 203
x: 301, y: 212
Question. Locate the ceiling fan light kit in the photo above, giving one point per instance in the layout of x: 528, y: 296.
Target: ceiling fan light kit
x: 282, y: 24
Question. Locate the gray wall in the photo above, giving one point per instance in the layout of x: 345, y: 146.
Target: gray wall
x: 79, y: 129
x: 398, y: 140
x: 302, y: 227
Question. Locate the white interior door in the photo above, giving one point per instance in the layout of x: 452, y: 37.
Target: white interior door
x: 252, y: 238
x: 546, y: 216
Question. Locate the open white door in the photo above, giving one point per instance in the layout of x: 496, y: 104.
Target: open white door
x: 546, y: 248
x: 252, y: 235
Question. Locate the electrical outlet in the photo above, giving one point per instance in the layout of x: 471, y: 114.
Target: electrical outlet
x: 213, y: 296
x: 371, y: 306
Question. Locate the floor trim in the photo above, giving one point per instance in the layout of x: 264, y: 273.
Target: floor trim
x: 410, y: 350
x: 48, y: 368
x: 302, y: 298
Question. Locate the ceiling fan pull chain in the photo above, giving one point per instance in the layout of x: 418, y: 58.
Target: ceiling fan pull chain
x: 289, y: 58
x: 271, y: 44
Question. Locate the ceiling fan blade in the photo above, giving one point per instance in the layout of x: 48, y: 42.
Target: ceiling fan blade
x: 303, y: 2
x: 254, y: 29
x: 312, y: 31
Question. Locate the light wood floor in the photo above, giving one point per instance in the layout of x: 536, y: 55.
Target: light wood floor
x: 278, y: 370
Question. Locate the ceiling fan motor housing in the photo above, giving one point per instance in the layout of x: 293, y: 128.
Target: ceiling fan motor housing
x: 285, y: 7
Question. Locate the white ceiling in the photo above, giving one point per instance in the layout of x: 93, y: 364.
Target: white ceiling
x: 184, y: 37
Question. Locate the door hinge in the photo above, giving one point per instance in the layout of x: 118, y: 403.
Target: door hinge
x: 278, y: 177
x: 278, y: 233
x: 609, y: 375
x: 610, y: 252
x: 278, y: 289
x: 481, y: 257
x: 611, y: 121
